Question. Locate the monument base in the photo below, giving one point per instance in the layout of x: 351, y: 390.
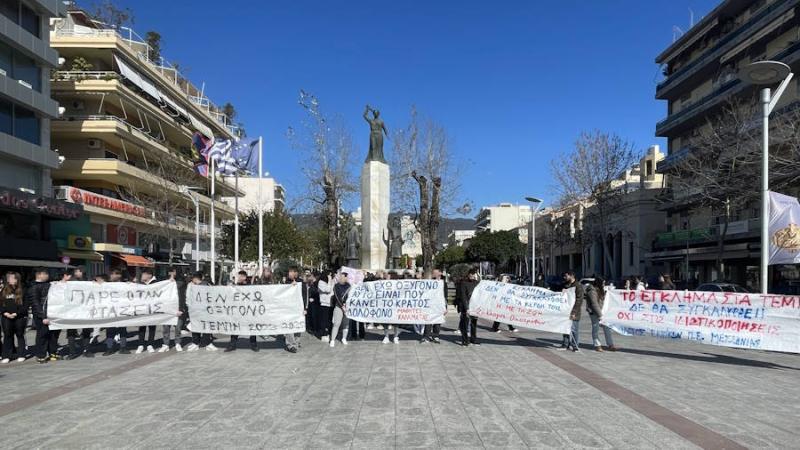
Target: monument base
x: 374, y: 214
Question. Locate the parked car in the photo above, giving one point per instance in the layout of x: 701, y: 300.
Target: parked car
x: 722, y: 287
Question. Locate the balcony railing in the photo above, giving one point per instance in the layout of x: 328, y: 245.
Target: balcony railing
x: 78, y: 75
x: 721, y: 43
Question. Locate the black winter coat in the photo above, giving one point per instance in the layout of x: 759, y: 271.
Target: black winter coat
x: 464, y: 291
x: 36, y: 296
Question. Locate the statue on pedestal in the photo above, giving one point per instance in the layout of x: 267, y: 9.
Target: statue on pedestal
x: 394, y: 245
x: 353, y: 247
x: 376, y: 131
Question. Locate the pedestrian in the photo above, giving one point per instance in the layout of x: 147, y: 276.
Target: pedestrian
x: 46, y: 339
x: 14, y: 317
x: 121, y: 333
x: 314, y: 308
x: 72, y: 333
x: 339, y: 304
x: 241, y: 280
x: 496, y: 325
x: 571, y: 341
x: 325, y: 289
x: 147, y: 334
x: 665, y: 282
x: 467, y: 324
x: 595, y: 298
x: 292, y: 339
x: 431, y: 333
x: 166, y: 330
x: 200, y: 340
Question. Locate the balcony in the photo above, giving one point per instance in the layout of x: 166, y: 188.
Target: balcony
x: 739, y: 229
x: 725, y: 43
x: 712, y: 99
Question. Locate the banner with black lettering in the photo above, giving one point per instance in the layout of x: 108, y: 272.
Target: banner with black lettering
x: 86, y: 304
x: 523, y: 306
x: 397, y: 302
x: 728, y: 319
x: 246, y: 310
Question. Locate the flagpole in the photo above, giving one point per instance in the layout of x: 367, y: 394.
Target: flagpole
x: 260, y: 208
x: 236, y: 221
x: 213, y: 226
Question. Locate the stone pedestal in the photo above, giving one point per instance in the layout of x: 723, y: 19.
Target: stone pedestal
x: 374, y: 214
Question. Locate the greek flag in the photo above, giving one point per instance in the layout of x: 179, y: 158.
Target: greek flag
x: 220, y: 153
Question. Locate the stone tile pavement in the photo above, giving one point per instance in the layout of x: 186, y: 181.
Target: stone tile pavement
x: 510, y: 392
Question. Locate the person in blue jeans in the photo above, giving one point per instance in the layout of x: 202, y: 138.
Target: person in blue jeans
x: 571, y: 341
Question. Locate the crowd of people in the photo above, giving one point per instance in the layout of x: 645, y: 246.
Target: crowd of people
x: 324, y: 297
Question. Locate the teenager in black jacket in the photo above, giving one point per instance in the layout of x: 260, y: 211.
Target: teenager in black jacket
x: 467, y: 324
x: 72, y: 333
x: 46, y: 340
x: 241, y: 280
x: 14, y: 315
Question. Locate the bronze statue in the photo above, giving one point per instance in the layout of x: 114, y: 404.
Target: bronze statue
x: 394, y: 244
x: 353, y: 246
x: 376, y: 131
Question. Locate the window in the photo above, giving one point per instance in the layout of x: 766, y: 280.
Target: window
x: 6, y: 117
x: 26, y: 125
x: 10, y: 9
x: 6, y: 59
x: 25, y: 69
x: 630, y: 253
x: 29, y: 21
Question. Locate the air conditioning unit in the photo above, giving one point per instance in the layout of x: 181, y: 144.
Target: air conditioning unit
x: 95, y: 143
x: 77, y: 105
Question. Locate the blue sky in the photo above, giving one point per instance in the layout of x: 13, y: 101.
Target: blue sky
x: 513, y: 82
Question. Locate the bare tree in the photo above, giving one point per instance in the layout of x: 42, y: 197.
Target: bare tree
x: 589, y: 176
x: 425, y: 179
x: 721, y: 168
x: 108, y: 13
x: 327, y: 149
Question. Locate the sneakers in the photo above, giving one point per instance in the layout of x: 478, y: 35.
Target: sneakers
x: 370, y: 327
x: 178, y: 348
x: 424, y: 341
x: 576, y: 350
x: 379, y: 327
x: 42, y: 360
x: 397, y: 339
x: 211, y: 348
x: 21, y: 359
x: 254, y: 347
x: 124, y: 351
x: 54, y: 357
x: 613, y: 348
x: 139, y: 349
x: 108, y: 352
x: 150, y: 349
x: 192, y: 347
x: 185, y: 332
x: 599, y: 349
x: 498, y: 330
x: 228, y: 349
x: 163, y: 349
x: 562, y: 348
x: 344, y: 341
x: 331, y: 345
x: 291, y: 349
x: 386, y: 339
x: 515, y: 330
x: 436, y: 340
x: 5, y: 361
x: 325, y: 339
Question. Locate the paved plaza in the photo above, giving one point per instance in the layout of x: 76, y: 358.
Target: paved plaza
x: 513, y: 391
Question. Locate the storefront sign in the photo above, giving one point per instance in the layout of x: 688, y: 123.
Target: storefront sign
x: 118, y: 234
x: 24, y: 202
x: 83, y: 197
x: 79, y: 242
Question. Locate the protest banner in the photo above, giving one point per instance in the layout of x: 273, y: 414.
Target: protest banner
x: 354, y: 276
x: 523, y: 306
x: 755, y: 321
x: 246, y: 310
x: 86, y: 304
x: 397, y: 302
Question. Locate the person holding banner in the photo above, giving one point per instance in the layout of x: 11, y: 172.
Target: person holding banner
x: 115, y: 276
x: 339, y: 302
x: 324, y: 317
x: 172, y: 273
x: 72, y: 333
x: 14, y: 317
x: 467, y: 324
x: 147, y: 277
x: 292, y: 339
x: 570, y: 341
x: 496, y: 325
x: 595, y: 296
x: 431, y: 333
x: 200, y: 340
x: 241, y: 280
x: 46, y: 339
x: 314, y: 309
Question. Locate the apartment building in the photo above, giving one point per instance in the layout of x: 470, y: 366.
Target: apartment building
x: 265, y: 191
x: 700, y: 70
x: 505, y: 216
x: 125, y: 134
x: 29, y: 213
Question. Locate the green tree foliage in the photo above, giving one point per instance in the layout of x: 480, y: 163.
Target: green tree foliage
x: 282, y: 239
x: 153, y: 39
x: 459, y: 272
x: 501, y: 248
x: 450, y: 256
x: 108, y: 13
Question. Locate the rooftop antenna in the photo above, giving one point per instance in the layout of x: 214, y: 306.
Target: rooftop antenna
x: 676, y: 33
x: 691, y: 18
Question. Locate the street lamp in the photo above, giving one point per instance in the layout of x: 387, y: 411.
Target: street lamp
x: 186, y: 190
x: 538, y: 203
x: 766, y: 73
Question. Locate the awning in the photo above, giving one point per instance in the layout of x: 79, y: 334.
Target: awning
x: 134, y: 260
x: 204, y: 129
x: 141, y: 81
x: 33, y: 263
x: 82, y: 254
x: 178, y: 109
x: 174, y: 263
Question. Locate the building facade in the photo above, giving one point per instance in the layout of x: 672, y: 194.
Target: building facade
x: 700, y: 70
x: 458, y: 237
x: 503, y: 217
x: 272, y: 195
x: 29, y: 213
x: 125, y: 135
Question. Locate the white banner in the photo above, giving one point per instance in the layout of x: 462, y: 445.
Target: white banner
x: 397, y: 302
x: 86, y: 304
x: 523, y: 306
x: 764, y: 322
x: 246, y: 310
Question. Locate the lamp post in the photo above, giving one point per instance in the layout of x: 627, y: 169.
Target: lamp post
x: 537, y: 204
x: 766, y: 73
x: 186, y: 190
